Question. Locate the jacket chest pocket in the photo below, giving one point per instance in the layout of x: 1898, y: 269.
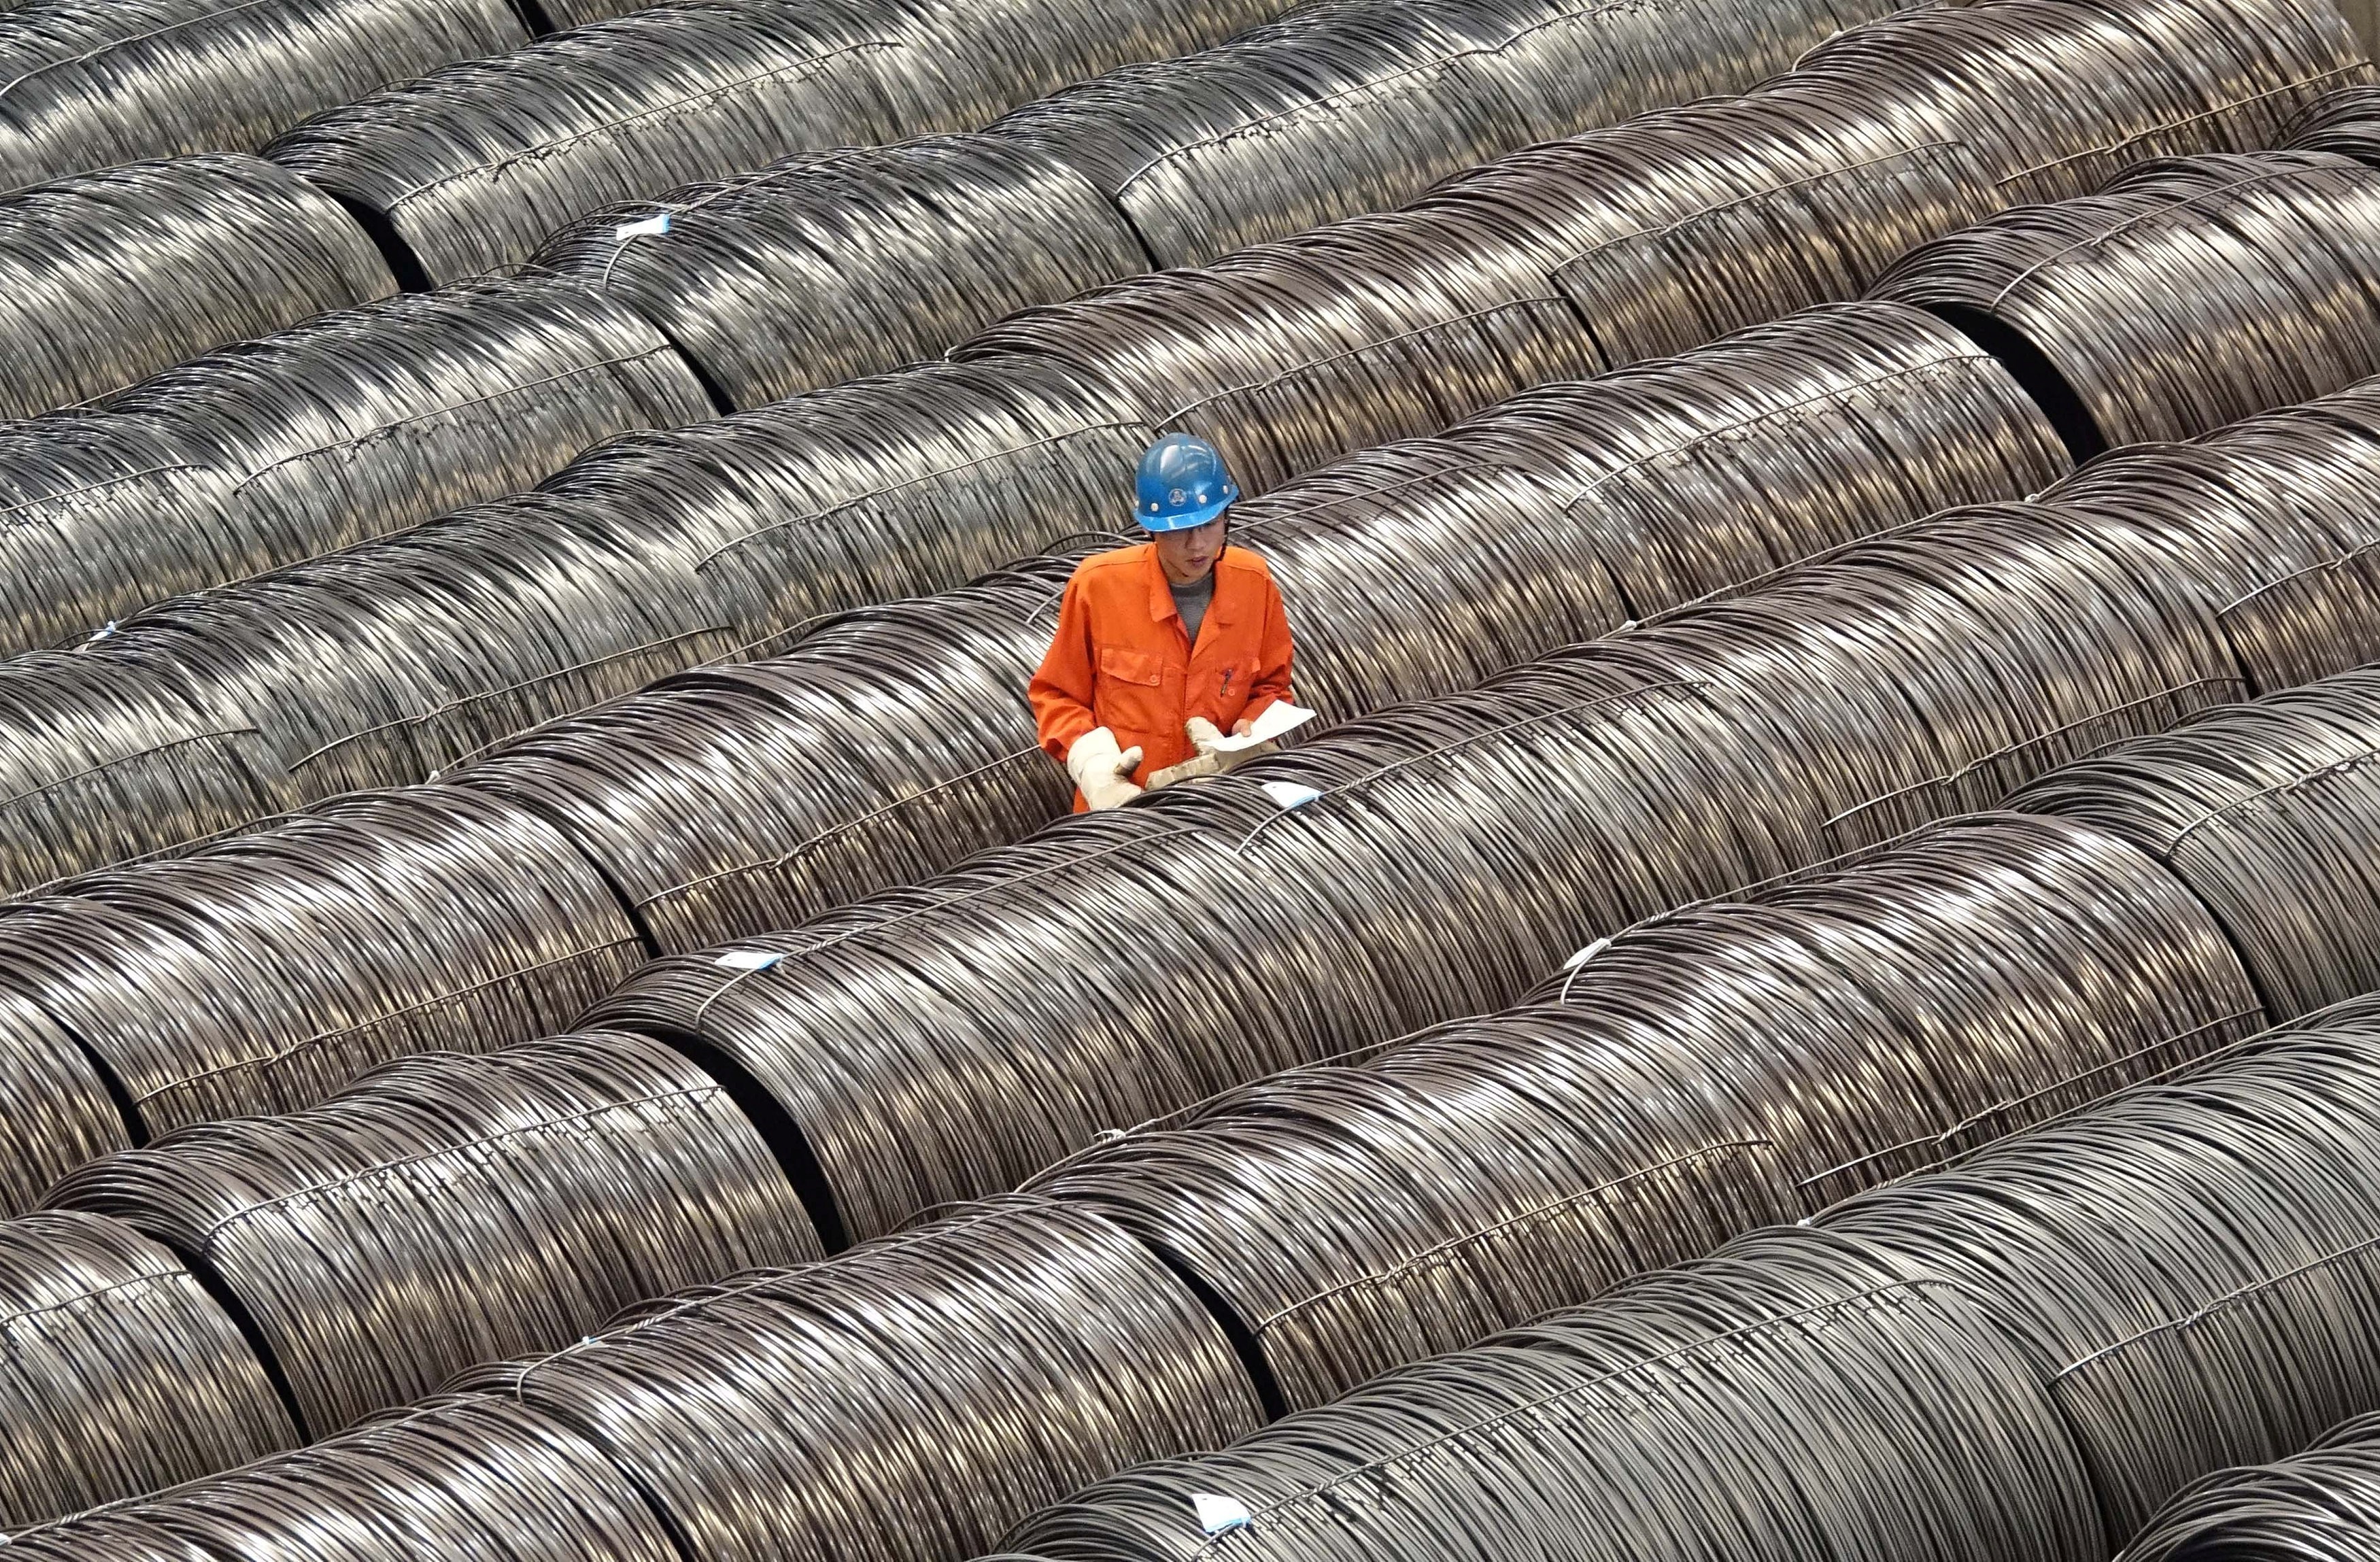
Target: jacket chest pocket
x: 1226, y: 688
x: 1131, y: 690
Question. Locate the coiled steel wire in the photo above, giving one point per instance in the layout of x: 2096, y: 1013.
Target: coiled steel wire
x: 106, y: 761
x: 1710, y: 1071
x: 467, y: 168
x: 120, y: 1374
x: 351, y: 426
x: 448, y: 1481
x: 1662, y: 233
x: 954, y: 1039
x: 2194, y: 1267
x: 885, y: 747
x: 829, y: 266
x: 2286, y: 494
x: 908, y: 1399
x: 1805, y: 191
x: 2188, y: 294
x: 2081, y: 1319
x: 2267, y: 812
x: 451, y: 1210
x: 86, y: 87
x: 1258, y: 139
x: 107, y: 278
x: 1355, y: 107
x: 59, y: 1111
x: 2324, y: 1502
x: 2346, y: 122
x: 1791, y: 1398
x: 382, y: 665
x: 264, y: 972
x: 537, y: 651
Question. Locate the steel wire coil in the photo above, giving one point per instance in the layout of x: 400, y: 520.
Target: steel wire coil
x: 1792, y: 1398
x: 1710, y: 1071
x: 449, y: 1210
x: 1682, y: 225
x: 2289, y: 495
x: 450, y: 1480
x: 908, y: 1399
x: 264, y: 973
x: 353, y: 425
x: 925, y: 1056
x: 2267, y: 812
x: 107, y: 278
x: 2187, y: 295
x: 377, y: 667
x: 830, y: 266
x: 91, y: 503
x: 1658, y: 235
x: 1349, y: 108
x: 884, y: 748
x: 869, y: 492
x: 59, y: 1112
x: 2324, y: 1502
x: 2194, y: 1267
x: 120, y: 1373
x: 737, y: 270
x: 1296, y: 354
x: 88, y: 87
x: 106, y: 761
x: 469, y: 167
x: 825, y: 749
x: 383, y: 663
x: 2168, y: 1283
x: 762, y: 569
x: 2346, y: 122
x: 2229, y: 79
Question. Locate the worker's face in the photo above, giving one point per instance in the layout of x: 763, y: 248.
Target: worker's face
x: 1187, y: 557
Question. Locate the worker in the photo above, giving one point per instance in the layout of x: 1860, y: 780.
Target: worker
x: 1164, y: 646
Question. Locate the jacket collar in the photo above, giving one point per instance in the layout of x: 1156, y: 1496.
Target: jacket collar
x: 1223, y: 608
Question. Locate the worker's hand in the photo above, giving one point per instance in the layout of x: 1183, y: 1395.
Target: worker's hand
x: 1243, y: 727
x: 1203, y: 735
x: 1102, y: 771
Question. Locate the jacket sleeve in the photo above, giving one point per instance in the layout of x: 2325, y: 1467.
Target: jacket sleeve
x: 1274, y: 655
x: 1061, y: 690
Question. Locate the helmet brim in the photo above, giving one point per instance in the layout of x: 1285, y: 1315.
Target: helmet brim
x: 1187, y: 519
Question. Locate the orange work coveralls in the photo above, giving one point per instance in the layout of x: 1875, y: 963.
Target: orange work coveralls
x: 1120, y: 658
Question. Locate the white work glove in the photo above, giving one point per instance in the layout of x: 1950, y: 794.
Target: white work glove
x: 1103, y: 774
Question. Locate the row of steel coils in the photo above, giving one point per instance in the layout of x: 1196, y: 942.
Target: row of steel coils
x: 831, y: 266
x: 500, y: 904
x: 2015, y: 1343
x: 389, y: 661
x: 1770, y: 697
x: 1822, y: 617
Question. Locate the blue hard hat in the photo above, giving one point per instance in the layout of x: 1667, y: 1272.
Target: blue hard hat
x: 1183, y: 483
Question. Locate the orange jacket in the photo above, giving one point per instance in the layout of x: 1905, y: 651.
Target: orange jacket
x: 1120, y: 658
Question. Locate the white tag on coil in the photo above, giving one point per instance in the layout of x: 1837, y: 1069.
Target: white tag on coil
x: 651, y: 228
x: 1289, y: 795
x: 1217, y: 1514
x: 748, y: 960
